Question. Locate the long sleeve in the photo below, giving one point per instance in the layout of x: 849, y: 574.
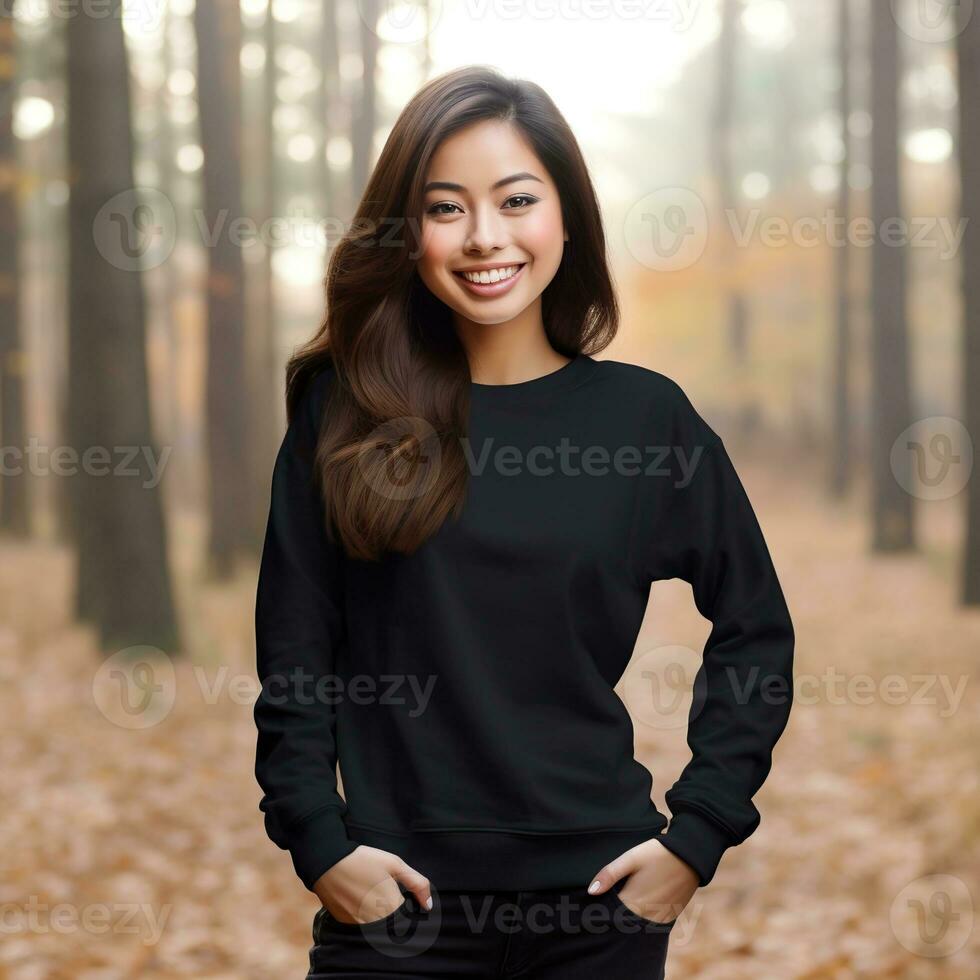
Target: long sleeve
x: 703, y: 530
x: 299, y: 627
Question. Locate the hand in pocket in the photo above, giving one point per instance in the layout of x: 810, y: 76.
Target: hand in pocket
x: 363, y: 886
x: 656, y: 885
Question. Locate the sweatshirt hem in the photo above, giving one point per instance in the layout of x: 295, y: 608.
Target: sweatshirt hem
x: 506, y: 859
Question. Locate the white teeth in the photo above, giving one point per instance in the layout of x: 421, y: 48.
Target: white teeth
x: 492, y: 275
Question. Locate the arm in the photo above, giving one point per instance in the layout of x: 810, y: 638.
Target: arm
x: 298, y: 629
x: 705, y: 532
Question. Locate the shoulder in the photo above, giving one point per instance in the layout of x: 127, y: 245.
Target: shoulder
x: 640, y: 381
x: 315, y: 390
x: 321, y: 383
x: 663, y: 404
x: 309, y: 406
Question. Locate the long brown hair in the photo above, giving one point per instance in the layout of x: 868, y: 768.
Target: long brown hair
x: 390, y: 462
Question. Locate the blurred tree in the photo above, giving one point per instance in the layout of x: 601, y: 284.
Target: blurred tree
x: 168, y: 270
x: 892, y: 512
x: 722, y: 128
x: 840, y: 399
x: 14, y: 512
x: 427, y: 40
x: 326, y: 96
x: 123, y: 584
x: 263, y: 408
x: 365, y: 114
x: 218, y: 29
x: 968, y: 51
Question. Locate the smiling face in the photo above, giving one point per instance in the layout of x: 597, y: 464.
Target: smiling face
x: 491, y: 210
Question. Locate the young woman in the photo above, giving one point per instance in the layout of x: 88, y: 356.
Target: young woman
x: 467, y: 513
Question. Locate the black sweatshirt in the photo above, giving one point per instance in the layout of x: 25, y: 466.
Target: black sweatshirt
x: 467, y: 690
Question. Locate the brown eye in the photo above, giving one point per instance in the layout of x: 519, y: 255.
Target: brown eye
x: 521, y: 197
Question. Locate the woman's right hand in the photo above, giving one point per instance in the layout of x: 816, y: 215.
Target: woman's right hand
x: 362, y: 887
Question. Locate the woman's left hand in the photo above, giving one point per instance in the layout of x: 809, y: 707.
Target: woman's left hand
x: 659, y: 885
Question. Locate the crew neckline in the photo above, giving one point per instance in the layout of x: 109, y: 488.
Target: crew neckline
x: 567, y: 376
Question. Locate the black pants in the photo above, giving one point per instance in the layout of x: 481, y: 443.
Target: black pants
x: 563, y: 934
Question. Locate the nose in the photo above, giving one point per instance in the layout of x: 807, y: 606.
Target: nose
x: 485, y: 232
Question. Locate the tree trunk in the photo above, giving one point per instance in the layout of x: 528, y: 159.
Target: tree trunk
x: 840, y: 398
x: 326, y: 96
x: 737, y: 313
x: 117, y: 518
x: 170, y: 282
x: 266, y: 415
x: 892, y: 512
x: 968, y: 49
x: 218, y: 29
x: 364, y: 115
x: 14, y: 513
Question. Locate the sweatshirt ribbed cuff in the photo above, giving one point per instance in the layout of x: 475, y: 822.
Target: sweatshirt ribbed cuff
x: 317, y: 843
x: 697, y: 841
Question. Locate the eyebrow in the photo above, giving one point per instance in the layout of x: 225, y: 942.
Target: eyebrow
x: 448, y: 185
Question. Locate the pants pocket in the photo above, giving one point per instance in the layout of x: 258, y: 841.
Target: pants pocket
x: 635, y: 916
x: 324, y: 922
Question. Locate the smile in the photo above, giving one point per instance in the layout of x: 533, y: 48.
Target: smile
x: 491, y: 275
x: 491, y: 282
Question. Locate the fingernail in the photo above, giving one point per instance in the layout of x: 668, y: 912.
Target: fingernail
x: 428, y: 904
x: 594, y: 887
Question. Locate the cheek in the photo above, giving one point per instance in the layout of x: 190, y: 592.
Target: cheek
x: 438, y: 246
x: 543, y: 237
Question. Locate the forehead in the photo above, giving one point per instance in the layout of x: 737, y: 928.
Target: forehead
x: 483, y: 153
